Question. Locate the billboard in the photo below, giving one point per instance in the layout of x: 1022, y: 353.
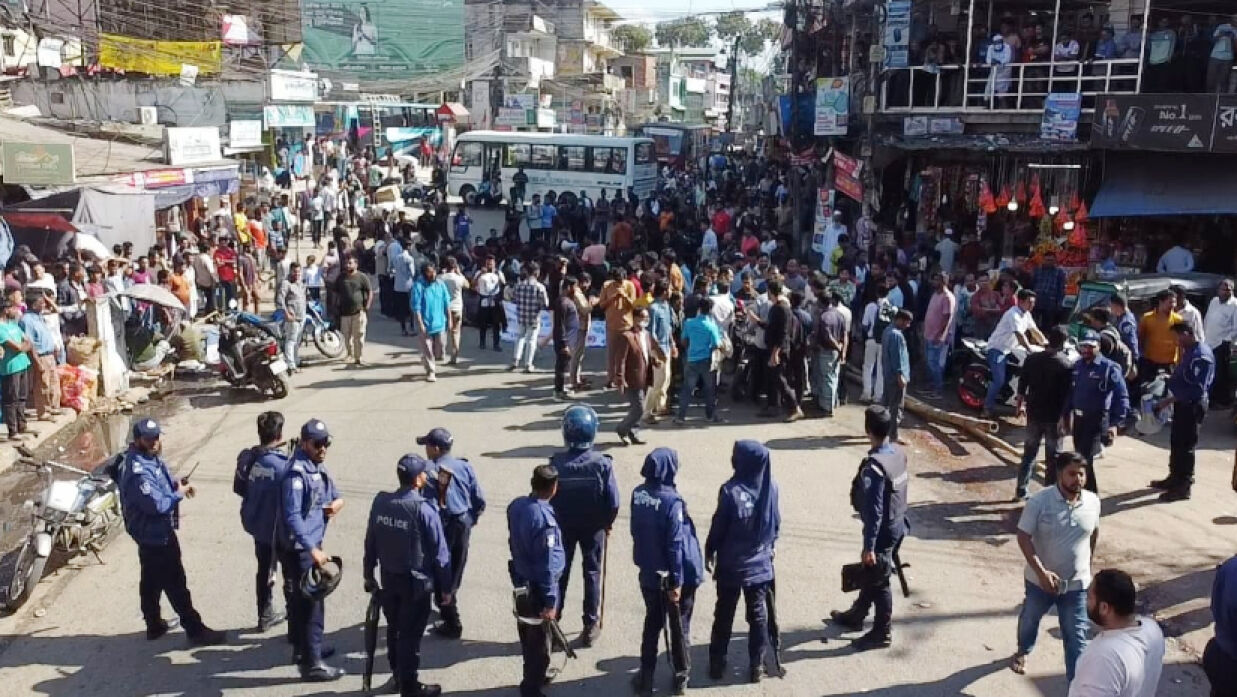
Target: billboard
x: 381, y: 38
x: 832, y: 106
x: 192, y: 145
x: 42, y: 164
x: 1169, y: 122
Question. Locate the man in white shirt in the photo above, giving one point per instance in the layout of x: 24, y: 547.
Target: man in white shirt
x: 708, y: 242
x: 1066, y: 51
x: 1220, y: 327
x: 833, y: 231
x: 455, y: 283
x: 402, y: 268
x: 1125, y: 659
x: 1177, y: 259
x: 1012, y: 331
x: 1189, y: 314
x: 490, y: 288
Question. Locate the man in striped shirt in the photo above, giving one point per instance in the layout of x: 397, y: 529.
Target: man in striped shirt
x: 530, y: 299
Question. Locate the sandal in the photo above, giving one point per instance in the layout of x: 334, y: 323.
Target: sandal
x: 1018, y: 663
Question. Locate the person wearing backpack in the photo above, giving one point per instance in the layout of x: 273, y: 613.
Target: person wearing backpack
x: 782, y: 333
x: 1112, y: 346
x: 877, y: 316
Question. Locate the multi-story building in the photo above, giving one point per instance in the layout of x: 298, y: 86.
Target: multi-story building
x: 695, y: 84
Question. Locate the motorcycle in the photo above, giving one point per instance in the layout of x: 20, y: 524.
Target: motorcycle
x: 73, y: 516
x: 328, y: 341
x: 977, y: 376
x: 248, y: 356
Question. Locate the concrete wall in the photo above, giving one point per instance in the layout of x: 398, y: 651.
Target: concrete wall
x: 204, y: 104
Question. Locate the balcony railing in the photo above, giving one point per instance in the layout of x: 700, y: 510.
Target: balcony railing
x: 1009, y: 88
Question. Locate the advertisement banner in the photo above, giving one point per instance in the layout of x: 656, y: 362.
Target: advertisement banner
x: 514, y: 118
x: 159, y: 57
x: 237, y: 32
x: 596, y: 337
x: 1226, y: 124
x: 846, y: 173
x: 897, y: 33
x: 1172, y: 122
x: 192, y: 145
x: 159, y: 178
x: 520, y: 101
x: 41, y: 164
x: 824, y: 213
x: 832, y: 106
x: 914, y: 125
x: 384, y: 37
x: 246, y: 133
x: 1061, y: 112
x: 294, y: 86
x: 288, y: 116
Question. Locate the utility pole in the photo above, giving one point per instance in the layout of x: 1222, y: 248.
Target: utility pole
x: 734, y: 86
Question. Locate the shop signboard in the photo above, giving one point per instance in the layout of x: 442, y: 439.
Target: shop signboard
x: 159, y: 178
x: 1226, y: 124
x: 40, y: 164
x: 293, y: 86
x: 1061, y: 112
x: 1173, y: 122
x: 511, y: 117
x: 288, y: 116
x: 192, y: 145
x: 846, y: 173
x: 942, y: 126
x: 897, y: 33
x: 394, y: 37
x: 832, y: 106
x: 244, y: 133
x: 915, y: 125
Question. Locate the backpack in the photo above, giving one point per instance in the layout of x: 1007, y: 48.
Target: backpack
x: 794, y: 332
x: 885, y: 312
x: 1119, y: 353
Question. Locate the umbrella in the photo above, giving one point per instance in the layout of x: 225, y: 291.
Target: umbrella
x: 158, y: 295
x: 91, y: 245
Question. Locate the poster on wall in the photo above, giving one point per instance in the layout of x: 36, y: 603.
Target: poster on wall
x: 824, y: 213
x: 384, y: 37
x: 1171, y: 122
x: 1061, y: 112
x: 897, y: 33
x: 846, y: 173
x: 41, y: 164
x: 832, y: 106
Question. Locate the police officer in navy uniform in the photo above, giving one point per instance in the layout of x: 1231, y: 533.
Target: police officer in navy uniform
x: 259, y: 471
x: 667, y: 552
x: 405, y: 540
x: 150, y: 498
x: 310, y: 500
x: 878, y: 493
x: 1095, y: 405
x: 537, y: 563
x: 1189, y: 387
x: 452, y: 487
x: 740, y: 547
x: 585, y: 507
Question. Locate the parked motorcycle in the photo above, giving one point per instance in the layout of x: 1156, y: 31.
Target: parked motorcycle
x: 328, y: 341
x: 248, y: 356
x: 73, y: 516
x: 976, y: 376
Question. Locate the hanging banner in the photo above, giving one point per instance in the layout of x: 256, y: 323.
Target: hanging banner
x: 1226, y: 124
x: 846, y: 173
x: 1061, y: 112
x: 288, y: 116
x: 1172, y: 122
x: 49, y: 52
x: 237, y: 31
x: 897, y: 33
x: 832, y: 106
x: 420, y: 37
x: 192, y: 145
x: 824, y: 213
x: 159, y: 57
x: 40, y: 164
x: 293, y: 86
x: 246, y: 133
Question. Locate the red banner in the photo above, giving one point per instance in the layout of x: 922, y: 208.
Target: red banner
x: 846, y: 172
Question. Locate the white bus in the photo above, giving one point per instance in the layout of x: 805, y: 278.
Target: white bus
x: 553, y: 162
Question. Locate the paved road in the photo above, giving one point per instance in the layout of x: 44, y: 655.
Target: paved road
x: 953, y: 637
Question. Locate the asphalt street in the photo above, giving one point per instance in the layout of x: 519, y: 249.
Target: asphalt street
x: 82, y: 633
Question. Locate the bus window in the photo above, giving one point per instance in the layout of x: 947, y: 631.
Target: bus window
x: 544, y: 156
x: 518, y: 154
x: 644, y: 153
x: 601, y: 159
x: 467, y: 154
x: 571, y: 158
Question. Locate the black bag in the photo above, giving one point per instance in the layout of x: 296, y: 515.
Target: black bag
x: 856, y: 576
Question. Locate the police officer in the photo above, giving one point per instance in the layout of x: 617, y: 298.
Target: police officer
x: 740, y: 547
x: 405, y: 539
x: 151, y: 498
x: 259, y: 471
x: 310, y: 500
x: 586, y: 506
x: 667, y: 552
x: 878, y: 494
x: 1188, y: 386
x: 451, y: 485
x: 537, y: 562
x: 1096, y: 403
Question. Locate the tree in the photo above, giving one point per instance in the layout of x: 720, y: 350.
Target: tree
x: 689, y: 31
x: 632, y: 37
x: 752, y: 36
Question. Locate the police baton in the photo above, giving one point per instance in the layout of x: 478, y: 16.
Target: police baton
x: 185, y: 479
x: 605, y: 559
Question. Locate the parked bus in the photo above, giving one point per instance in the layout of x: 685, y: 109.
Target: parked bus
x: 678, y: 143
x: 552, y: 162
x: 389, y: 126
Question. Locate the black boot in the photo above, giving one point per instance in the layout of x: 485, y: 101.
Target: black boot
x: 390, y: 687
x: 875, y: 639
x: 205, y: 636
x: 422, y: 690
x: 1180, y: 492
x: 642, y: 683
x: 755, y: 674
x: 680, y: 684
x: 270, y: 618
x: 160, y: 628
x: 848, y: 620
x: 717, y: 668
x: 590, y: 635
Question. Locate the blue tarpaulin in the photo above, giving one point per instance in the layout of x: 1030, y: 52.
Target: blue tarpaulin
x: 1169, y: 185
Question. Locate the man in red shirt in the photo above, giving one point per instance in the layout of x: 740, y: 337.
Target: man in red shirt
x: 721, y: 222
x: 225, y: 266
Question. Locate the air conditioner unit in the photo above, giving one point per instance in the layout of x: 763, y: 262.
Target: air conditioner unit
x: 148, y: 115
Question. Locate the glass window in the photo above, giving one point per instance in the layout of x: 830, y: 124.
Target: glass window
x: 544, y: 156
x: 571, y: 158
x: 644, y: 153
x: 468, y: 154
x: 518, y: 155
x: 601, y: 159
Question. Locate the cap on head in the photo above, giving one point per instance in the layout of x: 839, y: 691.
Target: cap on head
x: 437, y: 437
x: 146, y: 428
x: 315, y: 430
x: 1089, y: 338
x: 412, y: 464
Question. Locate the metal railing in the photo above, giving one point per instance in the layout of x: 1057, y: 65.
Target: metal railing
x: 1009, y: 88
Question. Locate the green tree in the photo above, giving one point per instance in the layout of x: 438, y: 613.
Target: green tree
x: 689, y: 31
x: 632, y: 37
x: 753, y: 36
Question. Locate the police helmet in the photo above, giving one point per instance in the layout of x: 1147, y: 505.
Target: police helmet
x: 321, y: 581
x: 579, y: 427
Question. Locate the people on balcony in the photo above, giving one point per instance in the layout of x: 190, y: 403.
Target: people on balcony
x: 1220, y: 61
x: 1131, y: 42
x: 1065, y: 56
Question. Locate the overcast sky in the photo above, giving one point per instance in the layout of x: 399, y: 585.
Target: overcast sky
x: 646, y: 11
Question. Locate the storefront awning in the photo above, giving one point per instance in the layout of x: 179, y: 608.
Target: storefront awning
x: 1175, y: 185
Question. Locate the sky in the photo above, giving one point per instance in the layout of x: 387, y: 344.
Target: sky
x: 652, y: 11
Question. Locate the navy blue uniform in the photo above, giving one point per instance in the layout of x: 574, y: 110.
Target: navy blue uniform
x: 150, y: 499
x: 259, y: 471
x: 1190, y: 383
x: 879, y: 493
x: 460, y: 505
x: 537, y: 563
x: 404, y: 539
x: 741, y: 538
x: 1098, y: 399
x: 667, y: 552
x: 585, y: 506
x: 305, y: 490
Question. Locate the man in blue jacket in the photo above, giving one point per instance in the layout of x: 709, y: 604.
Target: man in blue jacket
x: 537, y: 562
x: 151, y: 498
x: 1189, y: 389
x: 259, y: 471
x: 431, y: 304
x: 404, y: 539
x: 1096, y: 403
x: 585, y: 507
x: 666, y: 550
x: 451, y: 485
x: 740, y: 548
x: 310, y: 500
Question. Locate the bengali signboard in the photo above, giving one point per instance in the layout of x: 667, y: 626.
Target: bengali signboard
x: 40, y: 164
x: 293, y: 86
x: 846, y: 173
x: 1226, y: 124
x: 832, y: 106
x: 288, y: 116
x: 1061, y: 112
x: 1173, y: 122
x: 378, y: 38
x: 192, y: 145
x: 897, y: 33
x: 244, y: 133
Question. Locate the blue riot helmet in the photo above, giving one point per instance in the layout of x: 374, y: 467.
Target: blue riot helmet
x: 579, y: 427
x: 321, y: 581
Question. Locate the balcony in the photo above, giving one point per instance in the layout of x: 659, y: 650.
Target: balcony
x: 530, y: 67
x: 1014, y: 88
